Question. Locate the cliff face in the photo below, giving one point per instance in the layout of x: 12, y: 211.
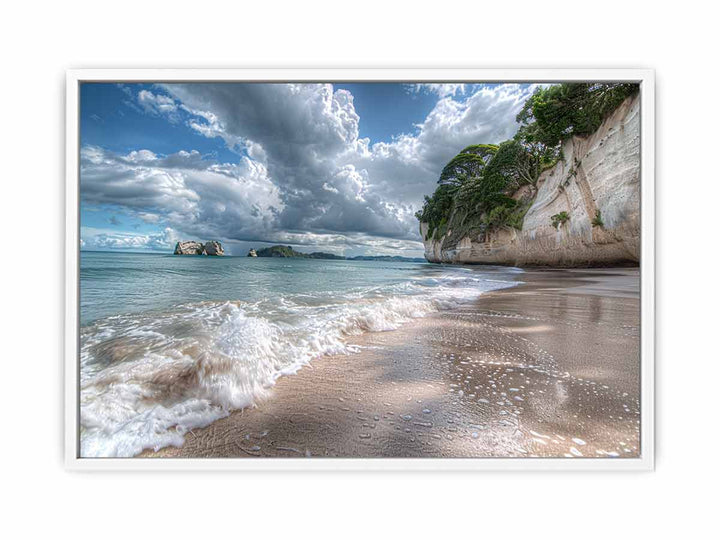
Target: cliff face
x: 600, y: 173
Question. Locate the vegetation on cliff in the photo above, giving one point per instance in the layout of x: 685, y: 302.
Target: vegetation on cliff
x: 478, y: 189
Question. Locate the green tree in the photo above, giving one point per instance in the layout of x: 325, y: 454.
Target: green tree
x: 513, y: 165
x: 469, y: 163
x: 437, y: 208
x: 556, y: 113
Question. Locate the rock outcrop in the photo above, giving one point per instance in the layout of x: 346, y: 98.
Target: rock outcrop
x: 189, y: 248
x: 213, y: 248
x: 198, y: 248
x: 252, y: 253
x: 597, y: 185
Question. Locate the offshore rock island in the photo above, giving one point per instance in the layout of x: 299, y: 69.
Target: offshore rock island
x: 289, y: 252
x: 198, y: 248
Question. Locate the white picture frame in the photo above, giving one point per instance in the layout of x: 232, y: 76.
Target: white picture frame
x: 644, y: 77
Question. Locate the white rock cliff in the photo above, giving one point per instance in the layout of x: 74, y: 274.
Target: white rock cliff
x: 600, y: 173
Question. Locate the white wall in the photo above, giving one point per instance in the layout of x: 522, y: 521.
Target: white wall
x: 39, y: 42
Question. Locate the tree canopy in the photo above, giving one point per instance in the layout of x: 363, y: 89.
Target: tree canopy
x: 556, y: 113
x: 468, y: 163
x: 481, y: 178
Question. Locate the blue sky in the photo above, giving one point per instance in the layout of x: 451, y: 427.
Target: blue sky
x: 339, y: 168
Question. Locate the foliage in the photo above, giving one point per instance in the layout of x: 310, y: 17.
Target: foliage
x: 437, y: 207
x: 323, y: 255
x: 559, y: 219
x: 597, y: 220
x: 556, y: 113
x: 516, y: 218
x: 512, y: 166
x: 279, y: 251
x: 469, y: 163
x: 481, y: 179
x: 288, y: 251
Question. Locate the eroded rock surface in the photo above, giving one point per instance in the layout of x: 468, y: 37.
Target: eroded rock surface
x: 213, y: 248
x: 191, y: 247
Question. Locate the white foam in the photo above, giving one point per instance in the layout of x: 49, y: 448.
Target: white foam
x: 148, y: 379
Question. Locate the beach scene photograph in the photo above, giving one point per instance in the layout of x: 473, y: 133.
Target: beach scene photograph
x: 319, y: 270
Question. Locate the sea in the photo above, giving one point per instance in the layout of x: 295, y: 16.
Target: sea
x: 172, y: 343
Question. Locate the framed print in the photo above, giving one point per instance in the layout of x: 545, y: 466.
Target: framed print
x: 360, y: 269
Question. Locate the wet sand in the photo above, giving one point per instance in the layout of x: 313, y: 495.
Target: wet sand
x: 549, y: 368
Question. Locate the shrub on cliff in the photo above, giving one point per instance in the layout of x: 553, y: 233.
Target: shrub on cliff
x: 469, y: 163
x: 437, y: 207
x: 559, y: 219
x: 480, y: 180
x: 556, y: 113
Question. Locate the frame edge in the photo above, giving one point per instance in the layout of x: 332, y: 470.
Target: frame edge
x: 646, y: 461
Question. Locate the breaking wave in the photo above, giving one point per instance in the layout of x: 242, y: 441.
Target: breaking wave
x: 149, y: 378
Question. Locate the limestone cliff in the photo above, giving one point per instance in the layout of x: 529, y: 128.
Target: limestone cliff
x: 597, y: 185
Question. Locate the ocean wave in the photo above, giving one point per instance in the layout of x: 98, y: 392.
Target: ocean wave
x: 147, y: 379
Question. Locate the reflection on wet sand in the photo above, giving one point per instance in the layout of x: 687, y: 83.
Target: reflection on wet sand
x: 547, y: 369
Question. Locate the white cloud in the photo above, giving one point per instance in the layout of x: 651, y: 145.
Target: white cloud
x: 197, y: 196
x: 408, y: 167
x: 101, y: 239
x: 158, y: 104
x: 440, y: 89
x: 330, y: 180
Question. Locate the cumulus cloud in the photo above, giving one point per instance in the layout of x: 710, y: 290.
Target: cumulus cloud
x: 306, y: 176
x: 440, y: 89
x: 408, y: 167
x: 158, y: 104
x: 329, y: 178
x: 98, y: 239
x: 198, y: 196
x: 307, y: 136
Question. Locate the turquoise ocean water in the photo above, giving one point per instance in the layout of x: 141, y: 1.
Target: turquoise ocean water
x: 169, y: 343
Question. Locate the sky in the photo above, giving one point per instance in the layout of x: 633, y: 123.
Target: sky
x: 340, y: 168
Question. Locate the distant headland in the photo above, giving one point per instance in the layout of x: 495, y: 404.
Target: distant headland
x: 198, y: 248
x: 289, y: 252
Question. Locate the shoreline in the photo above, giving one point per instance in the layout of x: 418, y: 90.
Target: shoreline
x: 547, y: 368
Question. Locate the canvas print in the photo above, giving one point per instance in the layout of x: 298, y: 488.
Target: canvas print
x: 359, y: 270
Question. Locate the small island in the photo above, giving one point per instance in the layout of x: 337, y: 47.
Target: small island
x: 191, y: 247
x: 289, y: 252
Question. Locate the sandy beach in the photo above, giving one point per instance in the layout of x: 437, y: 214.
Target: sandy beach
x: 549, y: 368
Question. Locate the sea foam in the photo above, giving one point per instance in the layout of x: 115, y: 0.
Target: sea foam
x: 148, y: 379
